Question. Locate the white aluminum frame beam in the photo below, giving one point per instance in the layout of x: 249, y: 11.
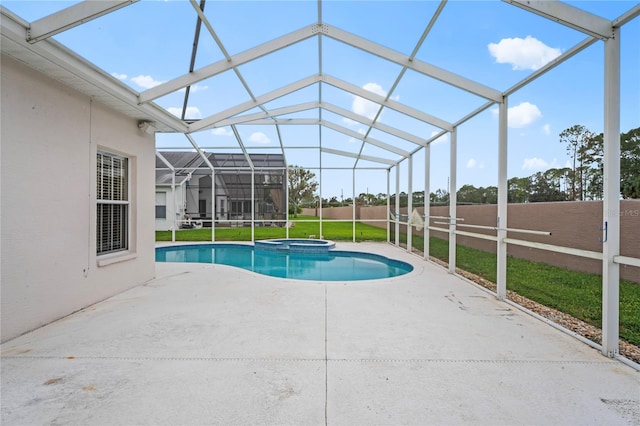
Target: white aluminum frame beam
x: 552, y: 64
x: 362, y: 157
x: 570, y: 16
x: 411, y: 57
x: 215, y: 37
x: 453, y: 198
x: 409, y: 203
x: 207, y: 24
x: 397, y: 224
x: 286, y: 121
x: 245, y: 106
x: 242, y: 147
x: 72, y: 16
x: 337, y: 128
x: 376, y: 125
x: 503, y: 190
x: 284, y: 156
x: 364, y: 138
x: 226, y: 65
x: 216, y: 119
x: 272, y: 114
x: 412, y: 64
x: 272, y: 118
x: 397, y: 106
x: 630, y: 14
x: 427, y: 201
x: 611, y: 198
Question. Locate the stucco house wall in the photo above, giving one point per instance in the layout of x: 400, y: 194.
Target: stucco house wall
x: 50, y: 136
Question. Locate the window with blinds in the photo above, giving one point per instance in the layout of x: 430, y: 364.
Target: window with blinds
x: 112, y: 203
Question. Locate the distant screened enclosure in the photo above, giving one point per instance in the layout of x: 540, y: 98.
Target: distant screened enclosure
x: 247, y: 188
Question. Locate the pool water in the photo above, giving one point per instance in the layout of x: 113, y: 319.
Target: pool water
x: 332, y: 266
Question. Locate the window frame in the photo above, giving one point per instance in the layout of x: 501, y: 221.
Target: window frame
x: 117, y: 204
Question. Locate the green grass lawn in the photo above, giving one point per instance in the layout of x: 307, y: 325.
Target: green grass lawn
x: 336, y: 231
x: 575, y: 293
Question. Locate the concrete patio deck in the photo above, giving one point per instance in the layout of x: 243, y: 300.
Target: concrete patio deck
x: 211, y: 344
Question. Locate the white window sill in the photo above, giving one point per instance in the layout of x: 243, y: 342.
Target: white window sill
x: 110, y: 259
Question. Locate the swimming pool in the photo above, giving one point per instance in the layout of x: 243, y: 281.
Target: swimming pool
x: 331, y: 266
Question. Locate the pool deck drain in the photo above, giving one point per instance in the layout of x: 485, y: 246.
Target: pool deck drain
x: 211, y: 344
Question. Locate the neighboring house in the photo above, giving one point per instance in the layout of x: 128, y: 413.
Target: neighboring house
x: 190, y: 204
x: 77, y: 183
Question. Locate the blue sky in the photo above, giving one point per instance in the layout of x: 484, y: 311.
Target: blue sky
x: 490, y: 42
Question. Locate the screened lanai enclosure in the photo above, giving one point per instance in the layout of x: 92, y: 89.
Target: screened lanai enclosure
x: 372, y: 98
x: 248, y: 190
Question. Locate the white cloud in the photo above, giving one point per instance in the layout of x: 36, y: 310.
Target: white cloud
x: 222, y: 131
x: 119, y: 76
x: 546, y: 129
x: 191, y: 113
x: 146, y: 81
x: 521, y: 115
x: 259, y: 137
x: 443, y: 138
x: 365, y: 107
x: 198, y: 88
x: 472, y: 163
x: 523, y: 54
x: 540, y: 165
x: 535, y: 163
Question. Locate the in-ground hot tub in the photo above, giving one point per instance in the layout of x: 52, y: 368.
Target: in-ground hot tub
x: 295, y: 245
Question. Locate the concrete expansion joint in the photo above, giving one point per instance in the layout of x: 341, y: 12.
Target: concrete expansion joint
x: 303, y: 360
x: 470, y: 361
x: 120, y: 358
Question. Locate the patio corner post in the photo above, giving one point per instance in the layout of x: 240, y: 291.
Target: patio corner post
x: 427, y: 199
x: 320, y: 200
x: 501, y: 219
x: 286, y: 203
x: 388, y: 205
x: 213, y: 205
x: 175, y: 205
x: 397, y: 205
x: 453, y: 199
x: 611, y: 199
x: 253, y: 204
x: 409, y: 203
x: 353, y: 205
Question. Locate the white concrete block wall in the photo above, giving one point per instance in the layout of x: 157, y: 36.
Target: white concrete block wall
x: 174, y: 208
x: 50, y: 135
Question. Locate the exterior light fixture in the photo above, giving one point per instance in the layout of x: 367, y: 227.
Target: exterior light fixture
x: 146, y: 126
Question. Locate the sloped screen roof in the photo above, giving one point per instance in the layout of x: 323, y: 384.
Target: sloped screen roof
x: 338, y: 83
